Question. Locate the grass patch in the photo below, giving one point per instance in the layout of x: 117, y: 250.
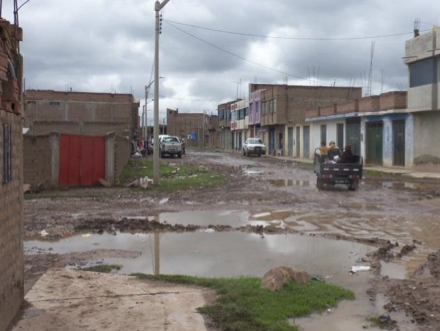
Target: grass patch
x: 104, y: 268
x: 179, y: 177
x: 243, y: 305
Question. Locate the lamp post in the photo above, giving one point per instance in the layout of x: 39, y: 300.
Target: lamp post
x: 157, y: 7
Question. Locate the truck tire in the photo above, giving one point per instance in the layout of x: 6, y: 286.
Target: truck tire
x: 179, y: 155
x: 354, y: 185
x: 319, y: 183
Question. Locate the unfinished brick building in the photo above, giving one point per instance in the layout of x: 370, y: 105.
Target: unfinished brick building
x: 11, y: 171
x: 97, y: 127
x: 188, y: 124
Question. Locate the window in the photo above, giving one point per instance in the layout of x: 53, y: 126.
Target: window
x: 221, y: 114
x: 263, y: 108
x: 7, y: 171
x: 422, y: 72
x: 54, y: 103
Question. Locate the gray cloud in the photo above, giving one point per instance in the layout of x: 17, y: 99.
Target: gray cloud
x: 100, y: 45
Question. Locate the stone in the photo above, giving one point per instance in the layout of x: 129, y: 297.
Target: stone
x: 275, y: 278
x: 104, y: 183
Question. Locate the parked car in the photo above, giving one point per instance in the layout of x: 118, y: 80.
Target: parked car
x: 170, y: 145
x: 254, y: 146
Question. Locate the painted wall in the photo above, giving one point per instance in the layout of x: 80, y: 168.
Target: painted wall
x: 388, y: 142
x: 427, y: 134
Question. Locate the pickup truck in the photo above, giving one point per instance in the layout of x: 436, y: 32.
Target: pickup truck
x: 330, y: 172
x: 170, y: 145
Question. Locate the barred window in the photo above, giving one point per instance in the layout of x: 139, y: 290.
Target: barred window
x: 7, y: 171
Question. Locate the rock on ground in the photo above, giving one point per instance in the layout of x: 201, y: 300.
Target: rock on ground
x: 275, y: 278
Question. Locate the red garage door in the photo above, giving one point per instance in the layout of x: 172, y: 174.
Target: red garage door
x: 82, y: 160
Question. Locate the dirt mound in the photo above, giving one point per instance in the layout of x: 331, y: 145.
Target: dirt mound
x: 101, y: 225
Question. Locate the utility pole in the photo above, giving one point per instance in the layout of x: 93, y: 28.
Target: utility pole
x: 203, y: 129
x: 157, y: 7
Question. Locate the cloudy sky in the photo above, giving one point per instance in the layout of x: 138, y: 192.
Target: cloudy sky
x: 211, y: 50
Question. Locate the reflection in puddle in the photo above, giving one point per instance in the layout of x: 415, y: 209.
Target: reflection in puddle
x: 398, y: 185
x: 220, y: 254
x: 290, y: 183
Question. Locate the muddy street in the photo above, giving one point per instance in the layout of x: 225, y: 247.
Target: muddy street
x: 267, y: 213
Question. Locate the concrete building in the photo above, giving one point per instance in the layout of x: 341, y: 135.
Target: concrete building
x: 191, y: 126
x: 281, y: 110
x: 422, y: 55
x: 11, y: 171
x: 77, y: 138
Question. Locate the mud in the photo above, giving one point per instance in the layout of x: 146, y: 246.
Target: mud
x: 280, y: 200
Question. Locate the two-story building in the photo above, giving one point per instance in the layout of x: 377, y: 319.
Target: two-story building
x: 282, y: 110
x: 422, y: 56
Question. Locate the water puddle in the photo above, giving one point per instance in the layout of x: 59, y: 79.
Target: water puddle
x: 291, y: 183
x: 219, y: 254
x: 399, y: 185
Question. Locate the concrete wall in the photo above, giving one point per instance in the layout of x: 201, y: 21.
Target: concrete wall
x: 426, y: 134
x: 422, y: 47
x: 11, y: 225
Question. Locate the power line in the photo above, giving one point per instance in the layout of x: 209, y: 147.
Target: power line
x: 233, y: 54
x: 292, y: 38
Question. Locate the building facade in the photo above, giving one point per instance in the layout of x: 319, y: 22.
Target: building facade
x: 77, y: 138
x: 281, y: 108
x: 378, y: 128
x: 11, y: 171
x: 422, y: 56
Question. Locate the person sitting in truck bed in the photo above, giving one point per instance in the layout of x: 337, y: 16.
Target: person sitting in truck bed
x: 333, y: 150
x: 347, y: 155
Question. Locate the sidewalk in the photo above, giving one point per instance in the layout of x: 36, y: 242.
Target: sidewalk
x: 76, y: 300
x: 390, y: 170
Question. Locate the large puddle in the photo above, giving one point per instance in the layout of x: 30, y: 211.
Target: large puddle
x: 235, y: 253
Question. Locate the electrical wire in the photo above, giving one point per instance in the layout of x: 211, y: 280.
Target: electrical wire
x: 292, y: 38
x: 233, y: 54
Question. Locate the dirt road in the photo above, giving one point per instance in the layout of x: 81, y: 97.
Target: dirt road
x: 386, y: 207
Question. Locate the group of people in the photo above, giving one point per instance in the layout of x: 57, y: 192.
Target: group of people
x: 332, y: 153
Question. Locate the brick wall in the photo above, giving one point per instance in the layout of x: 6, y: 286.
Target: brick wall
x: 369, y: 104
x: 52, y: 108
x: 11, y: 225
x: 37, y: 160
x: 350, y: 107
x: 393, y: 100
x: 122, y: 155
x: 329, y: 110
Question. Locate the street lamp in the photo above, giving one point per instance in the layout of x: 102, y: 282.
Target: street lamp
x: 157, y: 7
